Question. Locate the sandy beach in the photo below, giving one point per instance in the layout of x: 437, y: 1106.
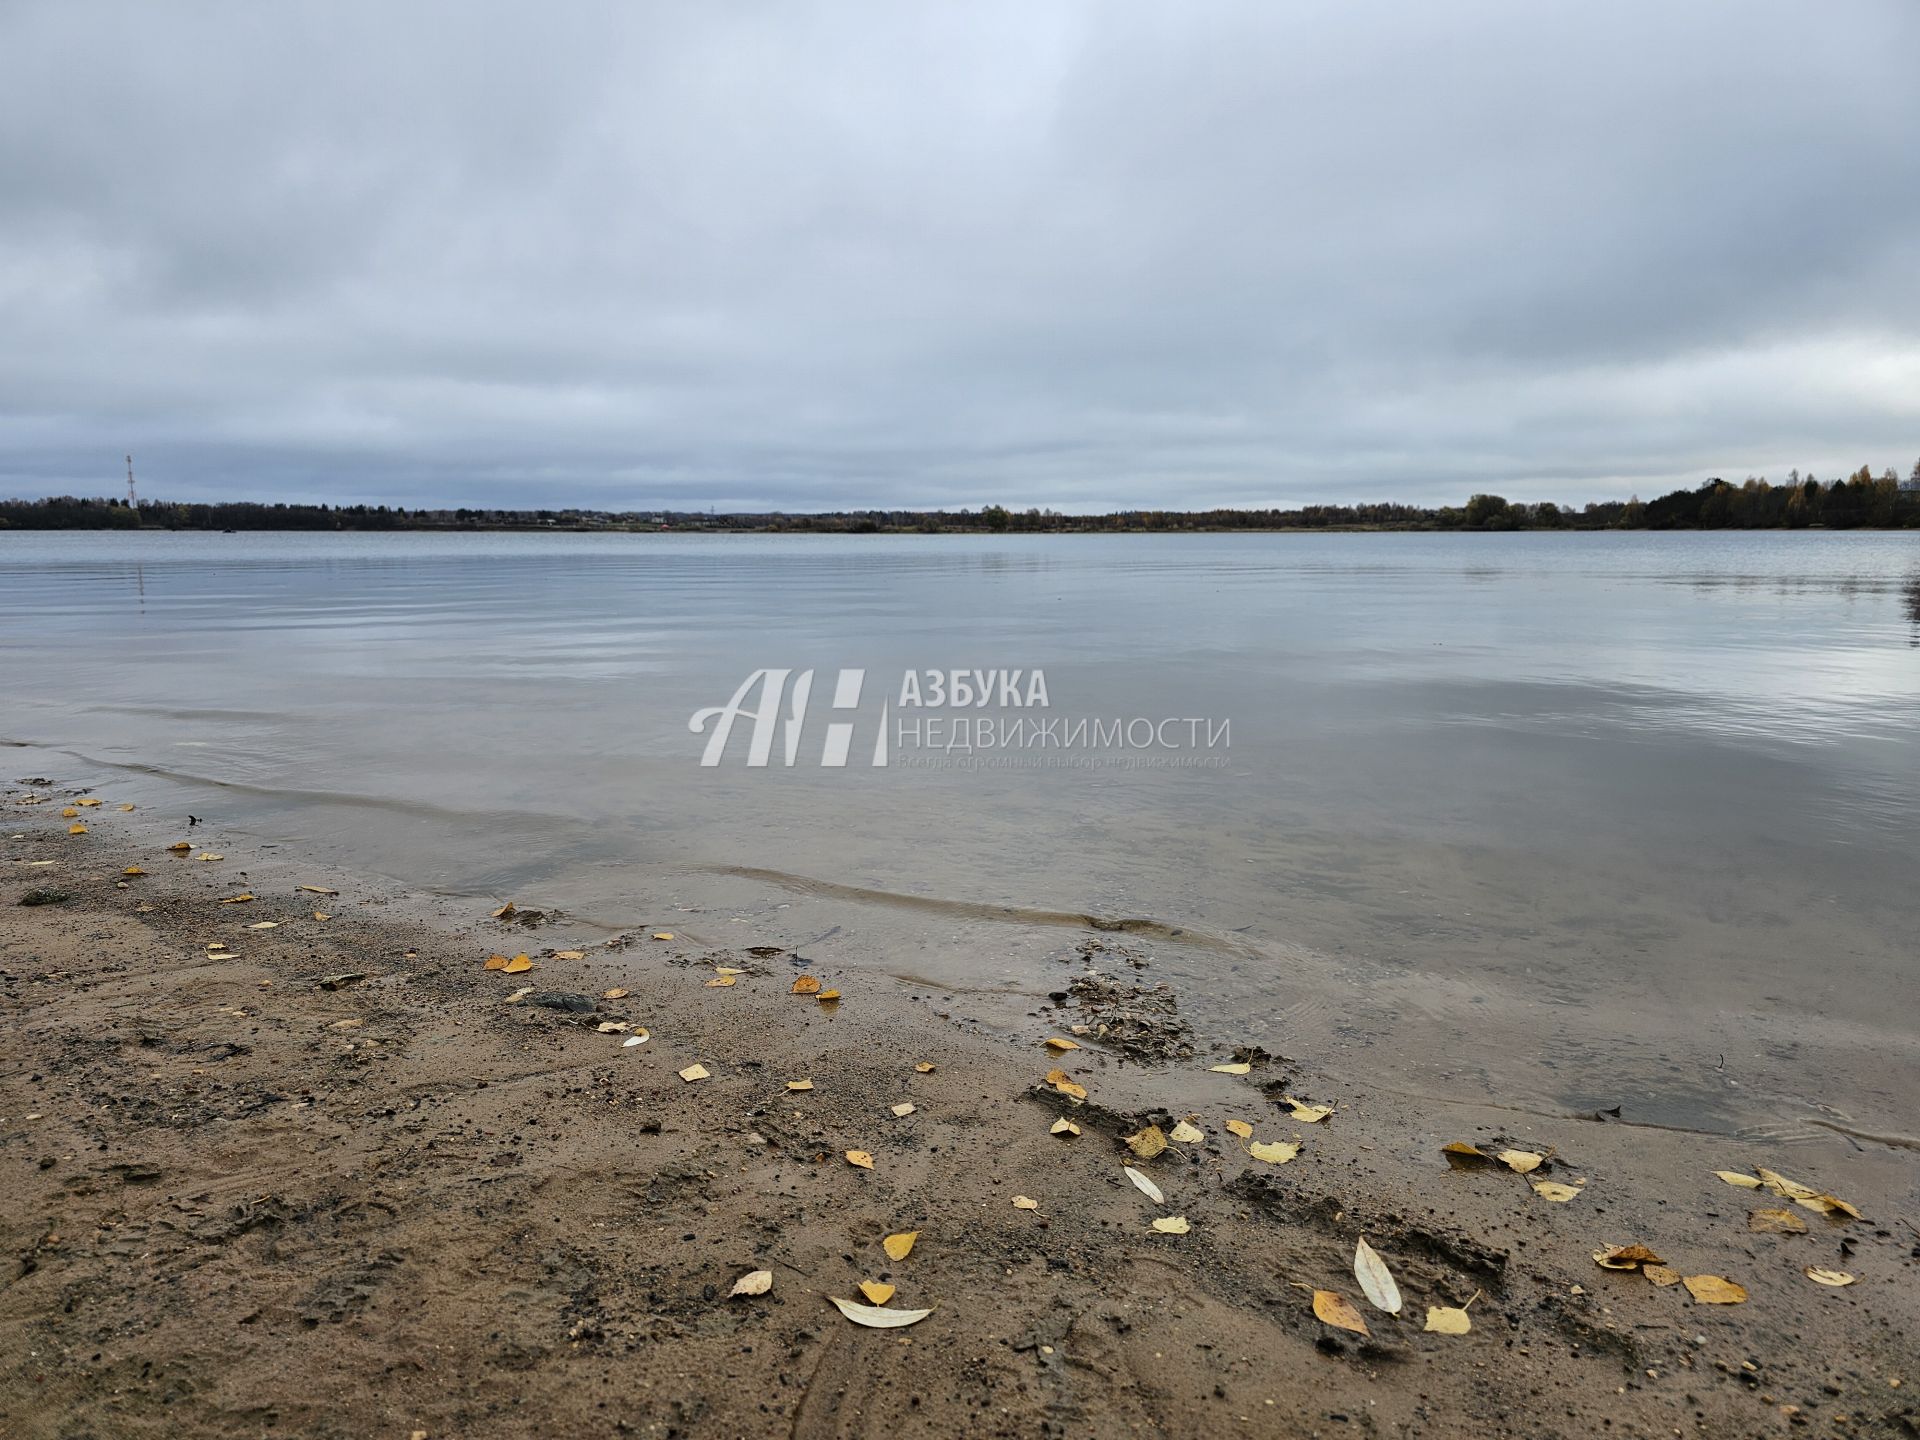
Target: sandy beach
x: 271, y: 1173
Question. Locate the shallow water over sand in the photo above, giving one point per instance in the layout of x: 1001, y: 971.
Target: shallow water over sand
x: 1572, y: 820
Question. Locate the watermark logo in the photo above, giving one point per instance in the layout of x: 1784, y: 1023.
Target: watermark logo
x: 987, y: 719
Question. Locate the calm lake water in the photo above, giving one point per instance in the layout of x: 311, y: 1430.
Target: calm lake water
x: 1565, y: 820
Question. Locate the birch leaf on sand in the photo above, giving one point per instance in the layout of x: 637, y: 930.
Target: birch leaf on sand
x: 133, y: 870
x: 321, y: 915
x: 1025, y: 1202
x: 496, y: 962
x: 1059, y: 1081
x: 1661, y: 1275
x: 799, y: 1084
x: 1521, y: 1162
x: 89, y: 803
x: 877, y: 1291
x: 1331, y: 1309
x: 663, y: 934
x: 1278, y: 1153
x: 313, y: 889
x: 1714, y: 1289
x: 1450, y: 1319
x: 1303, y: 1112
x: 925, y: 1067
x: 78, y: 829
x: 1376, y: 1281
x: 1462, y: 1156
x: 578, y: 955
x: 860, y: 1158
x: 1145, y: 1186
x: 241, y: 899
x: 503, y: 912
x: 1187, y: 1133
x: 1236, y: 1068
x: 877, y: 1317
x: 1147, y: 1143
x: 694, y: 1072
x: 721, y: 982
x: 180, y: 847
x: 754, y: 1282
x: 69, y: 813
x: 1775, y: 1222
x: 1626, y: 1257
x: 1060, y: 1042
x: 614, y: 994
x: 1240, y: 1128
x: 898, y: 1247
x: 806, y: 985
x: 1172, y: 1225
x: 1827, y: 1277
x: 518, y: 965
x: 902, y: 1110
x: 1063, y: 1126
x: 1553, y: 1190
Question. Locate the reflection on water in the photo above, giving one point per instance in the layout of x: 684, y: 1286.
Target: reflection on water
x: 1490, y: 799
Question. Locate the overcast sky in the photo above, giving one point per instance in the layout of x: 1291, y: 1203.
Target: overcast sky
x: 797, y: 256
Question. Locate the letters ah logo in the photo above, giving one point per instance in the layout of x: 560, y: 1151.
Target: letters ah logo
x: 766, y: 719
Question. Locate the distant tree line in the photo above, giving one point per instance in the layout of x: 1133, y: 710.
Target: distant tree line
x: 1861, y: 500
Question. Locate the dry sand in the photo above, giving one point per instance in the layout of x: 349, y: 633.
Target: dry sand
x: 247, y: 1198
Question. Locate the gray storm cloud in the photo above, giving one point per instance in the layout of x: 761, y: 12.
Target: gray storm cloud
x: 1081, y: 255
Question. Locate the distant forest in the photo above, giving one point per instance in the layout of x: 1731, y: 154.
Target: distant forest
x: 1860, y: 501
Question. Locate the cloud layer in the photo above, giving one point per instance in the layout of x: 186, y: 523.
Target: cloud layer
x: 1082, y: 255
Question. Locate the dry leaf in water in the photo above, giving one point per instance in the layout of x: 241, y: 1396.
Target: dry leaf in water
x: 754, y: 1282
x: 1236, y: 1068
x: 1625, y: 1257
x: 694, y: 1072
x: 1303, y: 1112
x: 1025, y: 1202
x: 1376, y: 1281
x: 1277, y: 1153
x: 1240, y: 1128
x: 1147, y: 1143
x: 806, y: 985
x: 1060, y: 1042
x: 876, y: 1317
x: 799, y: 1084
x: 903, y: 1109
x: 1172, y: 1225
x: 860, y: 1158
x: 1827, y: 1277
x: 1333, y: 1310
x: 1521, y: 1162
x: 898, y: 1247
x: 1063, y: 1126
x: 1145, y: 1186
x: 1775, y: 1222
x: 1553, y: 1190
x: 1714, y: 1289
x: 1187, y: 1133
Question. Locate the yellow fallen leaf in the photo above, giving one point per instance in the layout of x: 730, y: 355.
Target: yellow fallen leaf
x: 828, y: 997
x: 123, y: 808
x: 1063, y: 1126
x: 1714, y: 1289
x: 517, y: 996
x: 1333, y: 1310
x: 611, y: 1027
x: 1462, y: 1156
x: 1626, y: 1257
x: 1827, y: 1277
x: 518, y: 965
x: 580, y: 955
x: 860, y: 1158
x: 76, y: 829
x: 805, y: 985
x: 1278, y: 1153
x: 663, y: 934
x: 799, y: 1084
x: 903, y: 1109
x: 1791, y: 1189
x: 925, y: 1067
x: 1828, y: 1204
x: 1236, y: 1068
x: 694, y: 1072
x: 640, y: 1036
x: 1145, y: 1186
x: 1734, y: 1177
x: 133, y: 870
x: 321, y: 915
x: 1303, y: 1112
x: 898, y: 1247
x: 1147, y: 1143
x: 754, y: 1282
x: 180, y: 847
x: 877, y: 1318
x: 1521, y: 1162
x: 310, y: 889
x: 503, y: 912
x: 718, y: 969
x: 1060, y: 1042
x: 1447, y: 1320
x: 1661, y: 1275
x: 1025, y: 1202
x: 1172, y: 1225
x: 877, y: 1291
x: 1776, y: 1222
x: 69, y: 813
x: 209, y: 855
x: 614, y: 994
x: 496, y: 962
x: 1553, y: 1190
x: 241, y: 899
x: 88, y: 804
x: 1240, y: 1128
x: 1058, y: 1079
x: 721, y: 982
x: 264, y: 925
x: 1376, y: 1281
x: 347, y: 1024
x: 1187, y: 1133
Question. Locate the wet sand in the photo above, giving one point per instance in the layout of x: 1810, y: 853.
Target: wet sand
x: 333, y: 1178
